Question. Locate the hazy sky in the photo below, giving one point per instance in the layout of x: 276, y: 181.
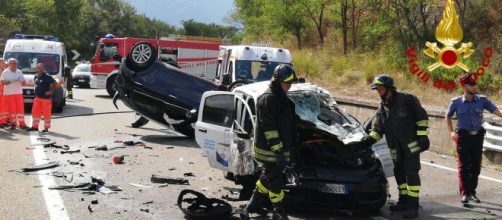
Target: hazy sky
x: 174, y: 11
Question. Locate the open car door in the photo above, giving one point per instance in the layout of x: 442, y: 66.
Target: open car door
x: 224, y: 131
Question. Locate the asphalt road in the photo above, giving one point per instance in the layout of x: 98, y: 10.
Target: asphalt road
x: 91, y: 120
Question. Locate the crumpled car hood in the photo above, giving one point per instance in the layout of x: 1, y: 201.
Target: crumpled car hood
x: 309, y: 99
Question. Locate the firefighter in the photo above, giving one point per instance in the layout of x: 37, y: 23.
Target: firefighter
x: 275, y: 137
x: 469, y: 135
x: 42, y: 105
x: 3, y: 109
x: 13, y: 79
x: 405, y: 124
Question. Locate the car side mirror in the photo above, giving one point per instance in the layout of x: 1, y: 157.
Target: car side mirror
x: 301, y: 80
x: 67, y: 71
x: 242, y: 134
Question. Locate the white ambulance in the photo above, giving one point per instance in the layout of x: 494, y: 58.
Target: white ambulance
x: 241, y: 64
x: 29, y: 50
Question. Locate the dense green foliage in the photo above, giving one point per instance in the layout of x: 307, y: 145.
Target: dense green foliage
x: 77, y: 23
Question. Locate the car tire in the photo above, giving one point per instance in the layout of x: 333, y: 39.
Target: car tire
x: 111, y: 86
x: 141, y: 56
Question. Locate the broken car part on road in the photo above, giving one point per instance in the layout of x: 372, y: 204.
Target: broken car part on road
x: 196, y: 205
x: 168, y: 180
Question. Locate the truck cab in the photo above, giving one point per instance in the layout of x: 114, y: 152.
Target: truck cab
x: 29, y: 50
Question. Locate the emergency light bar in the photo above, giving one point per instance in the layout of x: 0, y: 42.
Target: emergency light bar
x: 42, y: 37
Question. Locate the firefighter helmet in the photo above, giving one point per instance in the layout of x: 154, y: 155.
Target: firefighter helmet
x: 284, y: 73
x: 383, y: 80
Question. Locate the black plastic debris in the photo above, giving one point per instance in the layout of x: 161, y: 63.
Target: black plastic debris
x: 69, y: 151
x: 196, y: 205
x: 101, y: 148
x: 89, y: 208
x: 94, y: 202
x: 64, y: 147
x: 145, y: 210
x: 149, y: 202
x: 168, y: 180
x: 96, y: 185
x: 189, y: 174
x: 41, y: 167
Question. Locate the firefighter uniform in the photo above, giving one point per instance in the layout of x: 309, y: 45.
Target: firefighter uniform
x: 405, y: 124
x: 42, y: 105
x: 469, y: 138
x: 275, y: 136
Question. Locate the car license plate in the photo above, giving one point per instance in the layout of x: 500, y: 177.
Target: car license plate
x: 335, y: 188
x: 81, y: 80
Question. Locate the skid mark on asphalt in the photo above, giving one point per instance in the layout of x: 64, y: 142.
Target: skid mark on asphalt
x: 455, y: 170
x: 53, y: 201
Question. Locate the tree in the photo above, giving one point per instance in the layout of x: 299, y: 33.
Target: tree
x: 316, y: 11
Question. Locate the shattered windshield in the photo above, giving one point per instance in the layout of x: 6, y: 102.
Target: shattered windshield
x: 320, y: 108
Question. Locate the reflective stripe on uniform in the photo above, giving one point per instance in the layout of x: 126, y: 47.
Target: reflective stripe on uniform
x: 274, y: 197
x: 423, y: 123
x: 261, y: 187
x: 414, y: 191
x: 290, y: 78
x: 414, y: 147
x: 276, y: 147
x: 271, y: 134
x: 422, y: 133
x: 403, y: 189
x: 375, y: 135
x: 393, y: 154
x: 267, y: 156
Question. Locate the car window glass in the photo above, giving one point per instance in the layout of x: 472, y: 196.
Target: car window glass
x: 218, y: 110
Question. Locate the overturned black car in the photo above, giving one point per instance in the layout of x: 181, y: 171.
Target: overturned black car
x: 160, y: 91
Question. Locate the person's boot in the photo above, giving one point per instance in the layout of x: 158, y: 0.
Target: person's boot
x: 412, y: 210
x: 257, y: 203
x: 400, y: 206
x: 279, y: 212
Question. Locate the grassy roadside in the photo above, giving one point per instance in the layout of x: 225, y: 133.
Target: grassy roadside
x: 351, y: 75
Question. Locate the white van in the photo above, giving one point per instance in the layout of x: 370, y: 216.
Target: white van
x: 29, y: 50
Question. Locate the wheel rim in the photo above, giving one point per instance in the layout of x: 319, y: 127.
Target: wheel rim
x: 141, y: 53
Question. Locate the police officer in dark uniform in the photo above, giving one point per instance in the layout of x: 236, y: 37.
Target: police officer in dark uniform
x: 405, y: 124
x: 469, y: 134
x: 275, y: 138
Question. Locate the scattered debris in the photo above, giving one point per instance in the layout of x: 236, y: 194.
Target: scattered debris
x: 89, y: 208
x: 118, y: 159
x: 69, y: 151
x: 188, y: 174
x: 100, y: 148
x: 62, y: 175
x: 43, y: 141
x: 76, y: 163
x: 168, y: 180
x: 432, y: 161
x: 145, y: 210
x: 96, y: 185
x: 151, y: 155
x: 133, y: 143
x: 149, y: 202
x: 190, y: 162
x: 170, y: 147
x: 140, y: 186
x: 172, y: 168
x: 41, y: 167
x: 94, y: 202
x: 95, y: 156
x: 64, y: 147
x: 200, y: 207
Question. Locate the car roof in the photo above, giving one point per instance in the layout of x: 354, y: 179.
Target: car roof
x: 258, y: 88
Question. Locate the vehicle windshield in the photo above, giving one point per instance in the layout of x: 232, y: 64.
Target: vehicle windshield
x: 321, y: 109
x: 27, y: 62
x: 83, y: 68
x: 254, y: 70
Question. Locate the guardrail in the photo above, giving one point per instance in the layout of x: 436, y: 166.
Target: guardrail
x: 493, y: 137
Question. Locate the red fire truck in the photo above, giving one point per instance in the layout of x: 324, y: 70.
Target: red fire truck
x: 196, y: 55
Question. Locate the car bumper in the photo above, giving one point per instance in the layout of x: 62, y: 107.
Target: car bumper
x: 363, y: 191
x: 81, y: 80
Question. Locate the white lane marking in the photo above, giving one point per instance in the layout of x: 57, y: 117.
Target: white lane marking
x: 455, y: 170
x: 53, y: 201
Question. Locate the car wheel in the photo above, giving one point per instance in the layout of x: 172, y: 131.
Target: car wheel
x: 111, y: 86
x: 141, y: 56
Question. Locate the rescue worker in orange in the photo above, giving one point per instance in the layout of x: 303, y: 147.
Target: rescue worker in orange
x: 275, y: 139
x: 42, y: 105
x: 13, y: 80
x: 4, y: 115
x: 404, y: 122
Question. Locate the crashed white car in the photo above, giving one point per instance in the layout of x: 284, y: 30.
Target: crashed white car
x: 328, y: 172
